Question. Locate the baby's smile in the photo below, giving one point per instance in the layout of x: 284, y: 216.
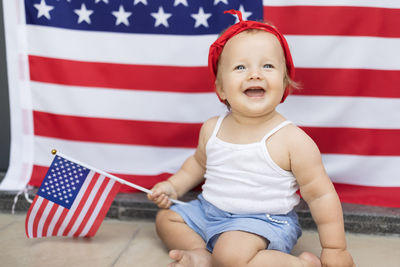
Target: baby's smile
x: 256, y: 92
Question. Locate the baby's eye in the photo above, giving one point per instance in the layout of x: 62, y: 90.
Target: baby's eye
x: 239, y: 67
x: 268, y: 66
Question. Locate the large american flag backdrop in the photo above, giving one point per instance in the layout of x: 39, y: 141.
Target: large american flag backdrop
x: 123, y: 85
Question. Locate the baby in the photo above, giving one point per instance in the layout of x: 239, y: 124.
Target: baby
x: 252, y: 161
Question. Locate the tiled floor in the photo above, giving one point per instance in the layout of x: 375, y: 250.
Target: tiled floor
x: 134, y: 243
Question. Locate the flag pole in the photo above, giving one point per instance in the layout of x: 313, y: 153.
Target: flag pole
x: 122, y: 181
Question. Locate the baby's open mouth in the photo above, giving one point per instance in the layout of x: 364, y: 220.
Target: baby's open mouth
x: 255, y: 92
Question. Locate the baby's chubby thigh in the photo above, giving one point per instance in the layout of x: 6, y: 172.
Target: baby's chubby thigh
x: 237, y: 248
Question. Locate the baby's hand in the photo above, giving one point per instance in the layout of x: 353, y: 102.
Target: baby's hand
x: 336, y: 258
x: 161, y: 192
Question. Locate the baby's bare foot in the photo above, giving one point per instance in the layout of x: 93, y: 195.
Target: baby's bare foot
x: 189, y: 258
x: 309, y: 259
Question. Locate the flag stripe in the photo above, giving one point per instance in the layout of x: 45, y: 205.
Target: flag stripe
x: 102, y: 213
x: 134, y: 159
x: 164, y: 50
x: 62, y: 212
x: 51, y: 230
x: 344, y: 52
x: 116, y: 131
x: 121, y: 76
x: 348, y: 82
x: 366, y: 112
x: 43, y: 219
x: 31, y: 215
x: 49, y: 219
x: 349, y: 112
x: 307, y: 51
x: 359, y: 82
x: 369, y: 142
x: 36, y: 220
x: 366, y: 21
x: 369, y: 195
x: 132, y: 105
x: 95, y: 207
x: 339, y: 165
x: 80, y: 215
x: 77, y: 210
x: 347, y: 141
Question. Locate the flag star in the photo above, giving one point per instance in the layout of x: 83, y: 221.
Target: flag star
x: 216, y: 2
x: 84, y: 14
x: 201, y: 18
x: 122, y: 16
x: 161, y: 17
x: 245, y: 14
x: 43, y: 9
x: 144, y: 2
x: 98, y: 1
x: 183, y: 2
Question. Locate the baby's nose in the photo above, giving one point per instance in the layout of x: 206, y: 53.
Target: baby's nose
x: 255, y: 75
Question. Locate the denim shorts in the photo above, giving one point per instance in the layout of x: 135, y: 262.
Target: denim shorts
x: 282, y: 231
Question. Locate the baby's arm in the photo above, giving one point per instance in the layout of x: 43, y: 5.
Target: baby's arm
x: 317, y: 190
x: 188, y: 176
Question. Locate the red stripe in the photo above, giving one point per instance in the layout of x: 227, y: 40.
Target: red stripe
x: 166, y: 134
x: 29, y: 214
x: 335, y: 20
x: 82, y: 203
x: 356, y: 141
x: 49, y: 219
x: 89, y: 212
x: 121, y: 76
x: 146, y: 181
x: 107, y: 203
x: 369, y: 195
x: 60, y: 221
x: 38, y: 217
x: 348, y: 82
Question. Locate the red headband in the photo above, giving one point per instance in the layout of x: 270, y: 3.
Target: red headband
x: 217, y: 47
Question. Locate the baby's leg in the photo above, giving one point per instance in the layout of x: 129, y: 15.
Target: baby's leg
x: 237, y: 248
x: 175, y: 233
x: 187, y: 247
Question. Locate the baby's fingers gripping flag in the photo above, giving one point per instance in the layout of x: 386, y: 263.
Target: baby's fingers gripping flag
x: 71, y: 201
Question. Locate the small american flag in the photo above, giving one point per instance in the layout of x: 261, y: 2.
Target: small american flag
x: 71, y: 201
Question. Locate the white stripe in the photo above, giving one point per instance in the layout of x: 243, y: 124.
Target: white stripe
x: 354, y: 112
x: 75, y: 205
x: 86, y: 207
x: 98, y: 208
x: 363, y: 170
x: 32, y: 216
x: 308, y: 51
x: 54, y: 221
x: 44, y: 218
x: 125, y: 104
x: 152, y: 49
x: 360, y: 3
x: 362, y: 112
x: 345, y: 52
x: 141, y: 160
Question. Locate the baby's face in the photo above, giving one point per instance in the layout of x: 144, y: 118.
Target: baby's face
x: 251, y: 73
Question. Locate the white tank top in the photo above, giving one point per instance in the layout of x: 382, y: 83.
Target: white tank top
x: 243, y: 178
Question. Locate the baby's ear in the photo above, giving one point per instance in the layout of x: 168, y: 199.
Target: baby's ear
x: 219, y: 89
